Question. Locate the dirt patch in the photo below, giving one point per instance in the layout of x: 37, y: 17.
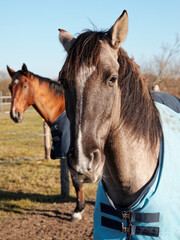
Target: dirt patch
x: 53, y: 222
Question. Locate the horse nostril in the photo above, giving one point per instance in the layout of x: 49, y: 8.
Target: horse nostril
x: 18, y: 115
x: 14, y: 116
x: 95, y: 157
x: 89, y: 167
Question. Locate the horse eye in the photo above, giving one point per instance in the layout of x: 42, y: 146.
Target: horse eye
x: 112, y: 81
x: 25, y: 86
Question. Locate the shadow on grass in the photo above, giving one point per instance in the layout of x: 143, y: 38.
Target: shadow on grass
x: 37, y: 198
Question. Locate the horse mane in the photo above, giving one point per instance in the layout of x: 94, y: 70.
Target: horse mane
x: 138, y: 111
x: 53, y: 85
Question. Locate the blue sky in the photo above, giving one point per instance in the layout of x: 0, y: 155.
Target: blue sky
x: 29, y: 29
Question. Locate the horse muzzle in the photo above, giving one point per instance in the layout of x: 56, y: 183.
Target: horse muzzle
x: 84, y: 170
x: 16, y: 116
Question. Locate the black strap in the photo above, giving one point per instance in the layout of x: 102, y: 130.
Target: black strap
x: 54, y: 127
x: 147, y: 231
x: 145, y: 217
x: 110, y: 223
x: 55, y: 139
x: 110, y: 210
x: 133, y: 216
x: 55, y: 133
x: 131, y: 229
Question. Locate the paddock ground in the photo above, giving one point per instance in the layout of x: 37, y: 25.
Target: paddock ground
x: 48, y: 222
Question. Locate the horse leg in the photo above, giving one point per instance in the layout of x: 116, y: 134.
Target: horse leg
x: 80, y: 201
x: 64, y: 177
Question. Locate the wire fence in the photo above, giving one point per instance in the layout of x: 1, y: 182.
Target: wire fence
x: 28, y: 143
x: 21, y: 160
x: 5, y: 102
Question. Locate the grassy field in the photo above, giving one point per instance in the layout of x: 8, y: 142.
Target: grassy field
x: 31, y: 181
x: 21, y: 140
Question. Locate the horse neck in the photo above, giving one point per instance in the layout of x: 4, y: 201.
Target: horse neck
x: 131, y: 158
x: 47, y: 102
x: 129, y: 166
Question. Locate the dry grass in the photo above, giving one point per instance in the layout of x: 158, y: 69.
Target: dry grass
x: 32, y: 183
x: 21, y: 140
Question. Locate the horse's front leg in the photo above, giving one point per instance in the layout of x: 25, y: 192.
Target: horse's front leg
x: 80, y: 201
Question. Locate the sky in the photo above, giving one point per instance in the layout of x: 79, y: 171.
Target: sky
x: 29, y: 29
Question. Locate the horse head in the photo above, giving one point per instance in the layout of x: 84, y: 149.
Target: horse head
x: 90, y: 77
x: 21, y: 93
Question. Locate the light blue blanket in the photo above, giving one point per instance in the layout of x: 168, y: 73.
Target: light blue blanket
x: 161, y: 202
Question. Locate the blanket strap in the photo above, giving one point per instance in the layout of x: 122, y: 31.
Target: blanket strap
x: 54, y: 128
x: 131, y: 217
x: 130, y: 229
x: 55, y: 133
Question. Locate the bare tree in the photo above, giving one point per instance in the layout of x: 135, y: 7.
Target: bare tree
x: 165, y: 65
x: 3, y: 76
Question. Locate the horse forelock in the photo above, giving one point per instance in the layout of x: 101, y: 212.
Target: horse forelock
x: 84, y: 52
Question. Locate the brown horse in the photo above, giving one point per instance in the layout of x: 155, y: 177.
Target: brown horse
x: 47, y: 97
x: 116, y: 135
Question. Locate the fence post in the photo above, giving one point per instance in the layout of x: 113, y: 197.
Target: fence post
x: 47, y: 144
x: 1, y: 101
x: 64, y: 177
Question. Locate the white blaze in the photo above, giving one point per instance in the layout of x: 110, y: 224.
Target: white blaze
x: 13, y: 109
x: 83, y: 75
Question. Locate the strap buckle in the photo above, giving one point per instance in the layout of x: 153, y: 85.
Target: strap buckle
x: 126, y: 215
x: 126, y: 229
x: 56, y: 139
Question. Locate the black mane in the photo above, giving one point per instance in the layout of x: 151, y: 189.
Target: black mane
x: 53, y: 85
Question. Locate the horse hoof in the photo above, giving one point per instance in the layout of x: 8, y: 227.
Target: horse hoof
x: 76, y: 217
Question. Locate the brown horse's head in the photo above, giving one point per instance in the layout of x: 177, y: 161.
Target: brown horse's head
x: 21, y: 94
x: 90, y: 78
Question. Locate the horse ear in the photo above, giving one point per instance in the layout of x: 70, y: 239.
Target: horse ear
x: 118, y: 31
x: 10, y: 71
x: 24, y: 69
x: 66, y: 39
